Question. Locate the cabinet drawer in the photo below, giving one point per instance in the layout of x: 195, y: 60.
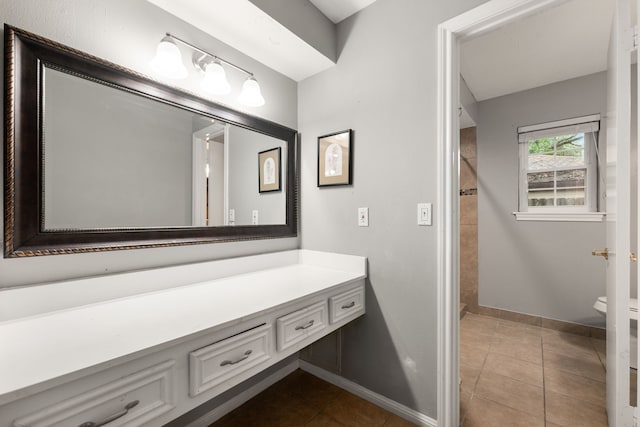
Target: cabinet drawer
x: 217, y: 364
x: 151, y: 388
x: 295, y: 327
x: 347, y: 305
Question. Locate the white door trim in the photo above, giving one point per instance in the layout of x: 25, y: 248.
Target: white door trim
x: 486, y: 17
x: 226, y: 176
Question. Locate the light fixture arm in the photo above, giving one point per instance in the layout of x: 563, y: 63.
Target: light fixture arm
x: 204, y: 52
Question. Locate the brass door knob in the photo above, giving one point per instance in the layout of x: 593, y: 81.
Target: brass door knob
x: 633, y: 257
x: 603, y: 253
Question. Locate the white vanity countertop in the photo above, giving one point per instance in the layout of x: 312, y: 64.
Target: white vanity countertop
x: 43, y: 347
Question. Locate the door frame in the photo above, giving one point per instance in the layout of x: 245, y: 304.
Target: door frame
x: 484, y: 18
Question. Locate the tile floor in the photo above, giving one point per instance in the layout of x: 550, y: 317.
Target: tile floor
x: 304, y: 400
x: 512, y: 375
x: 519, y: 375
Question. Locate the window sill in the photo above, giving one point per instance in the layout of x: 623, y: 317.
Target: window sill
x: 560, y: 216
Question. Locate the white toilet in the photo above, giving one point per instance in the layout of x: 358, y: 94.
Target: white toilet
x: 601, y: 307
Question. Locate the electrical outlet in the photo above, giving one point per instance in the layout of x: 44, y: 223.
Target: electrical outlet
x: 232, y: 215
x: 254, y: 218
x: 363, y: 217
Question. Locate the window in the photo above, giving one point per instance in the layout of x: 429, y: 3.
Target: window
x: 559, y: 167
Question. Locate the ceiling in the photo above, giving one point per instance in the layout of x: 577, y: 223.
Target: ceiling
x: 249, y: 29
x: 337, y: 10
x: 245, y: 27
x: 564, y: 42
x: 568, y: 41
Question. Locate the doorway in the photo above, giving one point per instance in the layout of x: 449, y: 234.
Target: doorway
x: 472, y: 24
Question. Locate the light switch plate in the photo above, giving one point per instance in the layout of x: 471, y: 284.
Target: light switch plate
x: 363, y: 217
x: 424, y: 213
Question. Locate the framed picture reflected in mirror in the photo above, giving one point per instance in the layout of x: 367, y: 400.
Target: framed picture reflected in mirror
x: 269, y: 170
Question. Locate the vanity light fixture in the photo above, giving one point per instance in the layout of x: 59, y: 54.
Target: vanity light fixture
x: 168, y: 60
x: 251, y: 95
x: 215, y: 79
x: 168, y: 63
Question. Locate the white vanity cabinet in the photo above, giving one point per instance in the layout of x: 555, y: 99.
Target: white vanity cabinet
x: 300, y: 325
x: 145, y: 359
x: 140, y: 397
x: 214, y: 365
x: 347, y: 305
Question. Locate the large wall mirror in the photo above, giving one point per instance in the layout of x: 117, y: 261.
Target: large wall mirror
x: 101, y: 158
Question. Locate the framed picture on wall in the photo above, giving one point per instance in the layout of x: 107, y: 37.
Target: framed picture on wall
x: 334, y: 159
x: 269, y: 172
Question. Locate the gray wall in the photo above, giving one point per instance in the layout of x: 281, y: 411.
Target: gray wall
x: 384, y: 87
x: 539, y: 268
x: 127, y: 32
x: 468, y: 101
x: 244, y: 146
x: 114, y: 159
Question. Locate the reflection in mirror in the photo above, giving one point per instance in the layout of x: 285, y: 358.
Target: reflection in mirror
x: 114, y: 159
x: 244, y: 168
x: 101, y: 158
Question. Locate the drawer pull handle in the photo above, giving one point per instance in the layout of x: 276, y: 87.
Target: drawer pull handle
x: 113, y: 417
x: 307, y: 326
x: 351, y: 304
x: 230, y: 362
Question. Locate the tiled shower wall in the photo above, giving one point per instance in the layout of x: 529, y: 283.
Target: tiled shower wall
x: 468, y: 220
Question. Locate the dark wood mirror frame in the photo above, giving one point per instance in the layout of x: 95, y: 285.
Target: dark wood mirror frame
x: 25, y: 56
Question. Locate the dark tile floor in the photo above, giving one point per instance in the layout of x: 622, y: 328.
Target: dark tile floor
x: 304, y: 400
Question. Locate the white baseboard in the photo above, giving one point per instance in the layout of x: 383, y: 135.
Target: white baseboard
x: 239, y: 399
x: 375, y: 398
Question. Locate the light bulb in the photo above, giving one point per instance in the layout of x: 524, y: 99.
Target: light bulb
x: 215, y: 79
x: 168, y: 60
x: 251, y: 95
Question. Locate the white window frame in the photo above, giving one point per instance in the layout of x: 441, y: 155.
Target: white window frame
x: 586, y: 212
